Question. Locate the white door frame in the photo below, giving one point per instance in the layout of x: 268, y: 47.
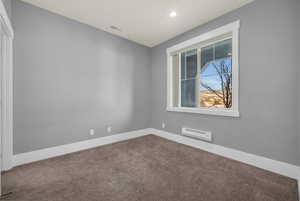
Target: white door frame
x: 7, y: 89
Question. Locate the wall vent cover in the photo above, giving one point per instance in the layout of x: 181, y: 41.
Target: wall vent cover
x: 197, y: 134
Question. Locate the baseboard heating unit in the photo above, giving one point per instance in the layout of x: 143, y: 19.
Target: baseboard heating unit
x: 197, y: 134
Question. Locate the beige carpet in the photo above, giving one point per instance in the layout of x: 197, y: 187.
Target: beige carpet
x: 146, y: 169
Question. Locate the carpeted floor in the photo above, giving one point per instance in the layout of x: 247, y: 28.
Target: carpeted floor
x: 146, y: 169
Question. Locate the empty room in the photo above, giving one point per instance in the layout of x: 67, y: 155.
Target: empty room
x: 161, y: 100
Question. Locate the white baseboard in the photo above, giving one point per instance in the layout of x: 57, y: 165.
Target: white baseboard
x: 42, y: 154
x: 278, y: 167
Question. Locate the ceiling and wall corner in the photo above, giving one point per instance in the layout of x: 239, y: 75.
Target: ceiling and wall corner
x: 143, y: 21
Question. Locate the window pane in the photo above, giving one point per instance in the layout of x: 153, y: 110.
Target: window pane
x: 183, y: 65
x: 191, y: 64
x: 189, y: 78
x: 216, y: 76
x: 207, y: 55
x: 188, y: 93
x: 212, y: 68
x: 211, y: 93
x: 223, y: 49
x: 175, y: 80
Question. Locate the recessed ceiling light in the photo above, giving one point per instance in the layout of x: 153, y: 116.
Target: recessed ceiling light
x: 173, y: 14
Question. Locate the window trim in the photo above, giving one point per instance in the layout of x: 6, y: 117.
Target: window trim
x: 233, y: 29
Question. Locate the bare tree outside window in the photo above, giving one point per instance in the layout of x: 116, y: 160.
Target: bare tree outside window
x: 224, y: 94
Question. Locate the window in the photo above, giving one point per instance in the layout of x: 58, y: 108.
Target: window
x: 203, y: 73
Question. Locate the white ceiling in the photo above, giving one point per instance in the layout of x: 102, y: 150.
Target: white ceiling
x: 144, y: 21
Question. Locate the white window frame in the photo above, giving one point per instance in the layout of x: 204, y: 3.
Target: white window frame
x: 233, y: 30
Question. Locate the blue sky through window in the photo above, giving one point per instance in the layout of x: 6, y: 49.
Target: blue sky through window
x: 209, y: 75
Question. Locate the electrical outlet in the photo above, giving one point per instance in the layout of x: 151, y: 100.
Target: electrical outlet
x: 108, y: 129
x: 92, y: 132
x: 163, y: 125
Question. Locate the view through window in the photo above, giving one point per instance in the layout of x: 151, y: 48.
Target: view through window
x: 216, y: 75
x: 205, y: 75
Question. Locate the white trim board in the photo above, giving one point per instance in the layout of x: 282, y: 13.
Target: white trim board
x: 7, y: 35
x: 42, y: 154
x: 231, y: 27
x: 278, y: 167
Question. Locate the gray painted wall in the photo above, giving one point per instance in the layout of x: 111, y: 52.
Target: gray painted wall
x: 298, y: 66
x: 69, y: 77
x: 268, y: 83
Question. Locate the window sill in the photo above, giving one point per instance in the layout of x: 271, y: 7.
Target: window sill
x: 218, y: 112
